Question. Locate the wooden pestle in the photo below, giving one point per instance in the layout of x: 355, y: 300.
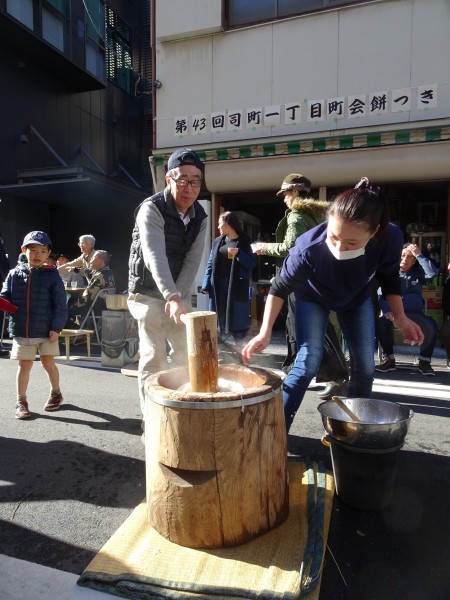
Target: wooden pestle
x: 346, y: 409
x: 201, y: 332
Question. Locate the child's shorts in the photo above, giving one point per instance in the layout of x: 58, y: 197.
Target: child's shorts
x: 28, y: 352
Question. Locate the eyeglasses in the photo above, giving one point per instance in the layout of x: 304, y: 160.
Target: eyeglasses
x: 181, y: 182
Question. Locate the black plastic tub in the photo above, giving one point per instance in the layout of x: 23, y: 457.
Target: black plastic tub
x: 364, y: 477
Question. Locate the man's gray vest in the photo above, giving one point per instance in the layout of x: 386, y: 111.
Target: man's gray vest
x: 179, y: 239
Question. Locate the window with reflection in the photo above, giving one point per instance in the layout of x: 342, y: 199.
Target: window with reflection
x: 95, y: 37
x: 22, y: 10
x: 248, y: 12
x: 118, y: 51
x: 55, y: 19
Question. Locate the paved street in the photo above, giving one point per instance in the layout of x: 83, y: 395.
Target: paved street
x: 70, y: 478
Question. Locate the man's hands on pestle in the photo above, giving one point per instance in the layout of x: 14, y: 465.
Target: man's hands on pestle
x: 175, y: 308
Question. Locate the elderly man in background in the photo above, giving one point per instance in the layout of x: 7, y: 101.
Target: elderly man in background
x: 100, y: 277
x: 71, y: 276
x: 82, y: 263
x: 167, y: 245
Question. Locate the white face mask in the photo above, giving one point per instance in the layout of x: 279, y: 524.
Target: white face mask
x: 345, y: 254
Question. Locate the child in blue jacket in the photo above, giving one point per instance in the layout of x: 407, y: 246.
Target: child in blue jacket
x: 37, y: 290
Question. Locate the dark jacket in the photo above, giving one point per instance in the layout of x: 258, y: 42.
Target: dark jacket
x: 411, y: 283
x: 178, y: 240
x: 41, y: 300
x: 233, y: 303
x: 315, y: 274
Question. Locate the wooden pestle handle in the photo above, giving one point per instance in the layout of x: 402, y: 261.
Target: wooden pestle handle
x: 201, y: 333
x: 346, y: 409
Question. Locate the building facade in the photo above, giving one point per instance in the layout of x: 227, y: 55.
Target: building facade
x: 76, y: 120
x: 334, y: 90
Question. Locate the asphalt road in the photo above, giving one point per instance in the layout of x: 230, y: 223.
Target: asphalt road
x: 69, y: 479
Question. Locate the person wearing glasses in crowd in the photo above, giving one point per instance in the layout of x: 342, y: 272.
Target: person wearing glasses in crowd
x: 166, y: 249
x: 82, y: 263
x: 101, y: 278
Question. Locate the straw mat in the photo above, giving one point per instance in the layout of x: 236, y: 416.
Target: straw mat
x: 285, y: 563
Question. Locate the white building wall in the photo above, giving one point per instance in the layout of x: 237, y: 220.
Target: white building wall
x: 395, y: 47
x: 185, y: 18
x: 358, y: 50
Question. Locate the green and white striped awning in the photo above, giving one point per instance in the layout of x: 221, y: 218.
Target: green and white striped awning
x: 320, y: 144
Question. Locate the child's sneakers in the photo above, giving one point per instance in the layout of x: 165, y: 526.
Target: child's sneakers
x: 22, y: 411
x: 54, y: 402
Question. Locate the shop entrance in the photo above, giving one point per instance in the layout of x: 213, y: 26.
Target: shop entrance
x: 419, y: 209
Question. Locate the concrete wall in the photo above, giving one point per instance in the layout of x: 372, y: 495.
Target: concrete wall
x: 178, y: 18
x: 363, y: 49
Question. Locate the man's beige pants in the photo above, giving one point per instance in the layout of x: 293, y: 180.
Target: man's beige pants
x: 155, y: 330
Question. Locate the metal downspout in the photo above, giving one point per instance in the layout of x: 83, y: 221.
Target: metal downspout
x: 153, y: 42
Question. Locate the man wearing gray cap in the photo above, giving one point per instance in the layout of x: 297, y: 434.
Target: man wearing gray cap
x: 166, y: 249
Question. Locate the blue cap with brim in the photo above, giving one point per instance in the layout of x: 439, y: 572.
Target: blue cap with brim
x: 184, y: 156
x: 36, y: 237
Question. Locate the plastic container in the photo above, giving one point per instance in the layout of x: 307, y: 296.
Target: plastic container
x: 364, y: 477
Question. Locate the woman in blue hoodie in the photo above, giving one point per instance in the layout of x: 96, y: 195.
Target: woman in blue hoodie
x: 332, y: 267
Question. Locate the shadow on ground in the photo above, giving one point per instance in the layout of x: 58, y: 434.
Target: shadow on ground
x: 401, y: 551
x: 63, y: 477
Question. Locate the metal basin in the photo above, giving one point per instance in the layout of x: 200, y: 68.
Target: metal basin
x: 384, y: 424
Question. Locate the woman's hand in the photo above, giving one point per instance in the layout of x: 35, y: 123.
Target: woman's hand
x: 412, y: 334
x: 260, y: 248
x: 256, y: 344
x: 261, y: 341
